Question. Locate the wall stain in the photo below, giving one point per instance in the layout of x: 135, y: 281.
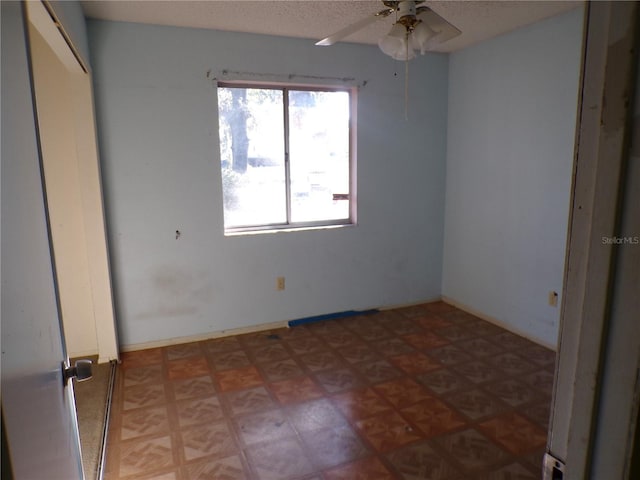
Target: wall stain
x: 177, y: 291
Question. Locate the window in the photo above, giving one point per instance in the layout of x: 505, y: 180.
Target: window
x: 285, y: 156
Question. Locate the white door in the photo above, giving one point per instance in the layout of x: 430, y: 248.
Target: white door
x: 66, y: 129
x: 38, y: 410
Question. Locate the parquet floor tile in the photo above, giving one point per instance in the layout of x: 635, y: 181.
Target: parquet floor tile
x: 423, y: 392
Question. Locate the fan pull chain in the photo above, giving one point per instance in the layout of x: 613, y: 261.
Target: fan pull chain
x: 406, y: 78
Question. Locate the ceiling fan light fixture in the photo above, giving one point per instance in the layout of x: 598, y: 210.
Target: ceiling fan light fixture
x: 409, y: 28
x: 403, y: 53
x: 421, y: 37
x: 394, y: 40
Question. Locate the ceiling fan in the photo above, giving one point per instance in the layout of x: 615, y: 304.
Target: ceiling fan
x: 417, y: 27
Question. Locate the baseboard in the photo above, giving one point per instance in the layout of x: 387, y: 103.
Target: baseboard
x: 203, y: 336
x: 405, y: 305
x: 242, y: 330
x: 498, y: 323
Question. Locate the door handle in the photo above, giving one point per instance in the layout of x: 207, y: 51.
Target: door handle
x: 81, y: 370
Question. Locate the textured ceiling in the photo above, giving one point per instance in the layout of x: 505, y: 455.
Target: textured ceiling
x: 316, y: 19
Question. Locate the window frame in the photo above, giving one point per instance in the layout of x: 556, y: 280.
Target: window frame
x: 288, y: 225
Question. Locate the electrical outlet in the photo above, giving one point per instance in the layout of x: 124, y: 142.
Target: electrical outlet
x: 553, y: 299
x: 280, y: 283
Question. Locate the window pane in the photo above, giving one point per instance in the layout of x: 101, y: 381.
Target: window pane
x: 252, y: 156
x: 319, y: 155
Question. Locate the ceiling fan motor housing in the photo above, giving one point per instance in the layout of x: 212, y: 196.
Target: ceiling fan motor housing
x: 406, y: 12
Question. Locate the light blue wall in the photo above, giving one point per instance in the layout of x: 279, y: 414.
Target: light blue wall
x: 511, y: 123
x: 157, y: 122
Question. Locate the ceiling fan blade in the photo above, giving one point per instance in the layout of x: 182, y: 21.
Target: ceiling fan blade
x: 446, y: 31
x: 354, y: 27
